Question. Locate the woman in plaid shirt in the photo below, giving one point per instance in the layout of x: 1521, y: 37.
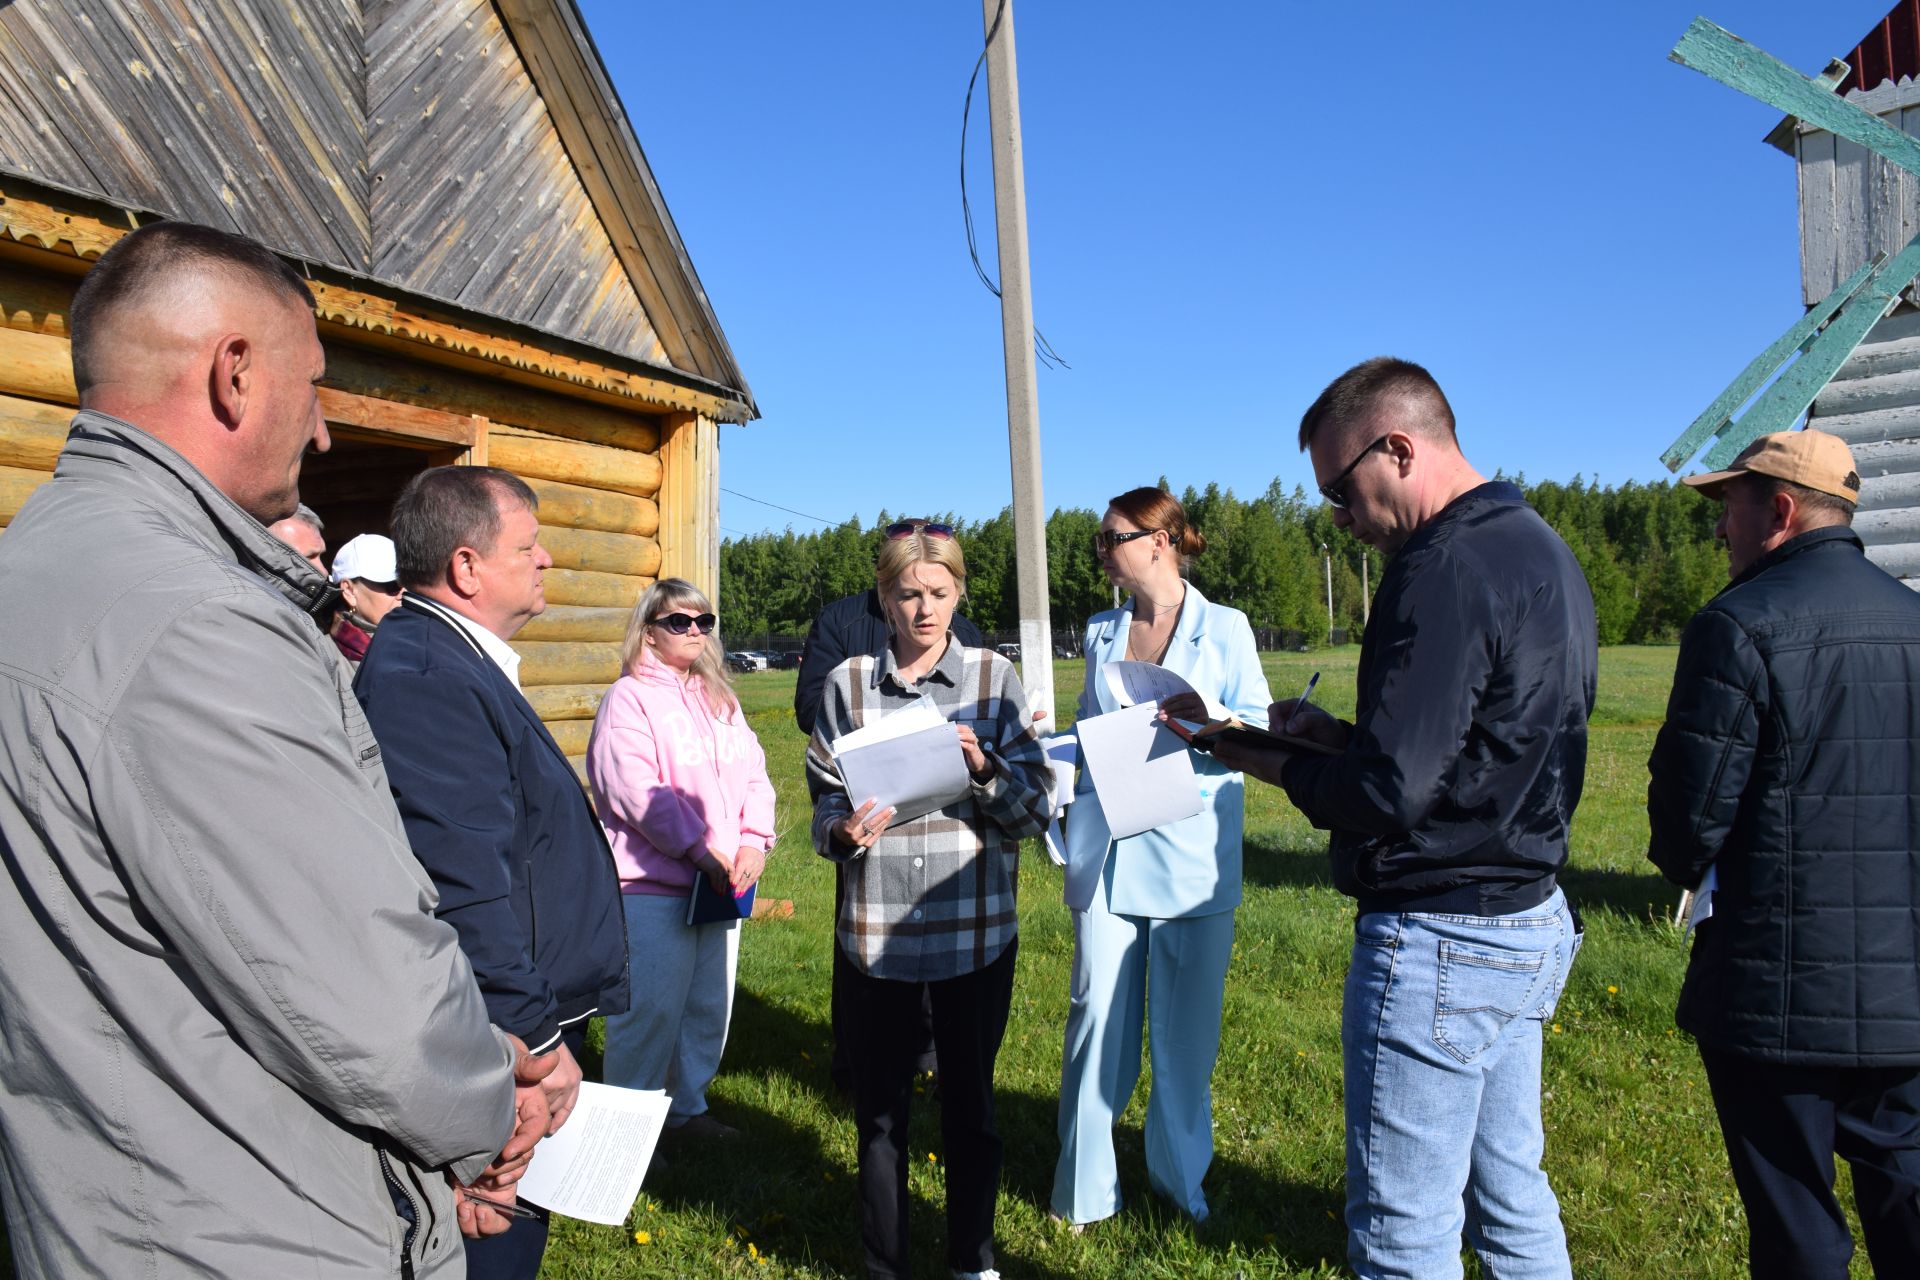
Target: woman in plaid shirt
x: 929, y: 902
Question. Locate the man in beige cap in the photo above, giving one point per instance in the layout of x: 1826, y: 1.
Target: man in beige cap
x: 1786, y: 791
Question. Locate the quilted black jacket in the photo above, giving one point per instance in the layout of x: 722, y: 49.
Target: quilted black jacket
x: 1790, y: 760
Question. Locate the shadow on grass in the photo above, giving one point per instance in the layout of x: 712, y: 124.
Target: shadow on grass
x: 1253, y: 1211
x: 1272, y: 867
x: 1632, y: 895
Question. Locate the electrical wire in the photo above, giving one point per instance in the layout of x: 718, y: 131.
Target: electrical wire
x: 777, y: 507
x: 1041, y: 347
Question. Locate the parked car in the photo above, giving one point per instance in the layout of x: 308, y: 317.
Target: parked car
x: 788, y: 661
x: 1011, y: 652
x: 746, y: 660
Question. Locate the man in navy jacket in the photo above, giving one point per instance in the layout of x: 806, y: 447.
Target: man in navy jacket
x: 492, y: 808
x: 1789, y: 768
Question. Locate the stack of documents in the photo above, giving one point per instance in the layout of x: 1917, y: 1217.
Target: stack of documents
x: 909, y: 762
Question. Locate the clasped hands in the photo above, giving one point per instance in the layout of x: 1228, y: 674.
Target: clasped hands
x: 733, y: 873
x: 545, y: 1088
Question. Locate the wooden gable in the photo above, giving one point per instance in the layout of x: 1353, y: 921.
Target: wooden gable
x: 466, y: 152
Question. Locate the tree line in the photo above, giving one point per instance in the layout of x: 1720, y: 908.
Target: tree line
x: 1647, y: 550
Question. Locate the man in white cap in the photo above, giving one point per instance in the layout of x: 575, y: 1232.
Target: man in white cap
x: 369, y: 583
x: 1787, y: 777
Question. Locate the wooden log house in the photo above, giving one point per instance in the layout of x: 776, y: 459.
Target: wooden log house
x: 495, y: 275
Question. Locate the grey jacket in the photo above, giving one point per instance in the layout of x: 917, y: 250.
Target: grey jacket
x: 233, y: 1037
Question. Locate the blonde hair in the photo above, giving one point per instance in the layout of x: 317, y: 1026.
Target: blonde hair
x: 711, y: 666
x: 918, y: 547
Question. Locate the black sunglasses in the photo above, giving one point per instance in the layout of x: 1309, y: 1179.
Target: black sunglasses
x: 1105, y: 540
x: 1334, y: 490
x: 907, y: 528
x: 681, y: 623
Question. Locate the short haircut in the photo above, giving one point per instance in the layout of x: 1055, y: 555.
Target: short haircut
x: 1826, y: 508
x: 308, y: 516
x: 445, y: 508
x: 154, y: 260
x: 1370, y: 386
x: 1151, y: 508
x: 896, y: 554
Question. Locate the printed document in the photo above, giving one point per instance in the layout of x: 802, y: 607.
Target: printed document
x: 1132, y: 683
x: 1063, y: 756
x: 592, y: 1168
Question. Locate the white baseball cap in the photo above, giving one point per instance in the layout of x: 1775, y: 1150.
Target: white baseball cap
x: 368, y: 557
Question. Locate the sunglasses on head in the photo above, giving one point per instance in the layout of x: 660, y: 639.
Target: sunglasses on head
x: 681, y: 623
x: 907, y: 528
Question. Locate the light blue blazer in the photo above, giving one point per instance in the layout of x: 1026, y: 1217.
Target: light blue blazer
x: 1190, y: 867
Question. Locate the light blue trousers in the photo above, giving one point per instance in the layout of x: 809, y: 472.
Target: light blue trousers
x: 1169, y: 975
x: 674, y: 1033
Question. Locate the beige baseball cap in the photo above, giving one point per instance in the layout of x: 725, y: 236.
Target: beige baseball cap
x: 1811, y: 458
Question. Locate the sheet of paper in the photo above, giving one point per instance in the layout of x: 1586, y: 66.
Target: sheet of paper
x: 1141, y: 771
x: 1703, y: 899
x: 912, y: 775
x: 1063, y: 758
x: 592, y: 1168
x: 1132, y: 683
x: 916, y: 716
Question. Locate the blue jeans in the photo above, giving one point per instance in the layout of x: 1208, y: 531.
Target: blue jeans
x: 1441, y: 1032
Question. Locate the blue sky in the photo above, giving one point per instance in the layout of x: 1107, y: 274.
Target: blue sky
x: 1228, y: 204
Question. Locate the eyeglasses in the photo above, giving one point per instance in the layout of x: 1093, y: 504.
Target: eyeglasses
x: 1334, y: 490
x: 681, y: 623
x: 907, y: 528
x: 1106, y: 540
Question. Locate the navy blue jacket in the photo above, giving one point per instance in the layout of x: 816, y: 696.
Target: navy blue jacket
x: 1790, y: 761
x: 1469, y: 745
x: 851, y: 626
x: 498, y: 818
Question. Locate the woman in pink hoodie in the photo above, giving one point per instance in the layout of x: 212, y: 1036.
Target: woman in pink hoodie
x: 681, y: 785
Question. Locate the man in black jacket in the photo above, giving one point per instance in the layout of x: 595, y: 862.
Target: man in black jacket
x: 1448, y: 799
x: 854, y: 626
x: 1788, y: 772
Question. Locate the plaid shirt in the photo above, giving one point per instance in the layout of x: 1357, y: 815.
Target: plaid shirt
x: 934, y: 897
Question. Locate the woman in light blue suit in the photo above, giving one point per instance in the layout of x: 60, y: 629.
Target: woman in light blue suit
x: 1153, y: 943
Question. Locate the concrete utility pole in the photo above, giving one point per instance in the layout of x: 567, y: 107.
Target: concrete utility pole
x: 1366, y: 601
x: 1327, y: 555
x: 1016, y: 331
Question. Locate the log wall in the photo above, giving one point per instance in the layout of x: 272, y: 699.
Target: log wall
x: 596, y: 468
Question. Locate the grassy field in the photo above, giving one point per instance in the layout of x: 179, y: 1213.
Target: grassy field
x: 1632, y: 1145
x: 1633, y: 1148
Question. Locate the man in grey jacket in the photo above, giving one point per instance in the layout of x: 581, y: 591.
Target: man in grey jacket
x: 234, y: 1040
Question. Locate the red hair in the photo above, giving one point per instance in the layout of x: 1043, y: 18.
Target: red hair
x: 1151, y: 508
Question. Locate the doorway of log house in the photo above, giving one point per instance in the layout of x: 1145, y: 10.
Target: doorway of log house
x: 354, y: 483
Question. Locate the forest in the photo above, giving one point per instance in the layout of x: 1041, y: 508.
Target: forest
x: 1648, y: 552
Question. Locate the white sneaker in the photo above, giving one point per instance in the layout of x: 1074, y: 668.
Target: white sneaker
x: 976, y: 1275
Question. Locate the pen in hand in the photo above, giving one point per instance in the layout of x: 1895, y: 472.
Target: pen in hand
x: 1300, y: 702
x: 511, y: 1210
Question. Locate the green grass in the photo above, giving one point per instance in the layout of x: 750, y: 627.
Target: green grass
x: 1633, y: 1147
x: 1632, y: 1144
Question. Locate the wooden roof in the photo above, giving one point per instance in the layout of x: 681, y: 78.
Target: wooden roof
x: 471, y: 152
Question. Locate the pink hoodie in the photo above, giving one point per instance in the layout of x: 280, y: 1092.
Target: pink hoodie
x: 671, y: 779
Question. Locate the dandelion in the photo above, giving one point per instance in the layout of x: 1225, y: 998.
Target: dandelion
x: 643, y: 1237
x: 753, y: 1250
x: 1299, y: 1053
x: 1613, y: 991
x: 1556, y: 1028
x: 932, y: 1158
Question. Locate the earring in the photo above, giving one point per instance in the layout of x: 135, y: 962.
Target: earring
x: 1156, y: 557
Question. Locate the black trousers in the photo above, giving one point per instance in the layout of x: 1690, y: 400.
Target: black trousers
x: 515, y: 1253
x: 1782, y: 1127
x: 841, y: 1009
x: 969, y: 1019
